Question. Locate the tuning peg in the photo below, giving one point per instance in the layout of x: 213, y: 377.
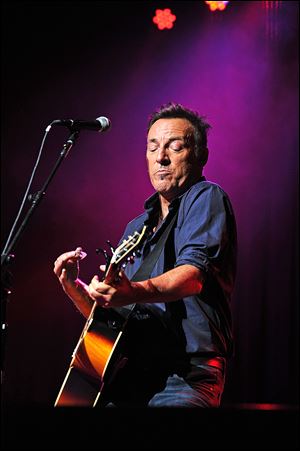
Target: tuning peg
x: 106, y: 256
x: 110, y: 246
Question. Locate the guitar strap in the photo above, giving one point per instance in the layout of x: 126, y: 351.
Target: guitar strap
x: 148, y: 264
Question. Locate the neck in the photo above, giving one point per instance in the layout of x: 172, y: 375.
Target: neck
x: 164, y: 206
x: 166, y: 198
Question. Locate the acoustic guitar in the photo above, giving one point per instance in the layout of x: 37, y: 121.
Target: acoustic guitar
x: 99, y: 355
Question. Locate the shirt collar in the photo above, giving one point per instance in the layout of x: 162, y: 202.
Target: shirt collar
x: 152, y: 205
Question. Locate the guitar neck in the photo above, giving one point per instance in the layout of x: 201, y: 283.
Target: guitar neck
x: 123, y: 254
x: 111, y: 273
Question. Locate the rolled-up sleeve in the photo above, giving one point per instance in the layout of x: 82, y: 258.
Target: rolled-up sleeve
x: 203, y: 230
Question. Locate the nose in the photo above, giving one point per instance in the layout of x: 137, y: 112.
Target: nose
x: 162, y: 157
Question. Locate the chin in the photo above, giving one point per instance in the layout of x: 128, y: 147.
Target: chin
x: 168, y: 193
x: 162, y: 187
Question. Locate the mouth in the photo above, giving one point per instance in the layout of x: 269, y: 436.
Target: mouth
x: 163, y: 171
x: 162, y: 174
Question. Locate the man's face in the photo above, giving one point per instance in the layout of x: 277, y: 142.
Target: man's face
x: 172, y: 164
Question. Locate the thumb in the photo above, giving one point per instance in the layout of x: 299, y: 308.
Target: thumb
x: 64, y: 275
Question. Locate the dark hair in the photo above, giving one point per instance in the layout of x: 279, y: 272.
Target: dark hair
x: 176, y: 110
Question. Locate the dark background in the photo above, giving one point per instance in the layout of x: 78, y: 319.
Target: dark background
x: 85, y: 59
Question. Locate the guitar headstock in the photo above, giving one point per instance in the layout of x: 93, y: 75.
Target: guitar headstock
x: 127, y: 247
x: 124, y: 253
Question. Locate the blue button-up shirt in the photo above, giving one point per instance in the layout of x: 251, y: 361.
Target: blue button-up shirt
x: 204, y: 235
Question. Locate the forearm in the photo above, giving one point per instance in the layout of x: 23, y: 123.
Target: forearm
x: 78, y: 293
x: 177, y: 283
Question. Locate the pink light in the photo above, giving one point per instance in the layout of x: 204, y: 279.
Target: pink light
x: 164, y: 19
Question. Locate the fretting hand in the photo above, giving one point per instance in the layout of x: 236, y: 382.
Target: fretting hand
x: 117, y: 293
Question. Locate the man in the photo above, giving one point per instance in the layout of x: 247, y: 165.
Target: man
x: 180, y: 330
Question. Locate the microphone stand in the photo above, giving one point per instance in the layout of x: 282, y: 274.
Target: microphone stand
x: 7, y: 257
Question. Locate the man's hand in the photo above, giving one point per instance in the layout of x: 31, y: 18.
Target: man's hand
x: 177, y: 283
x: 116, y: 294
x: 66, y: 266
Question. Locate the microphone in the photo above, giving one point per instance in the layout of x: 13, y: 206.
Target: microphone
x: 101, y: 124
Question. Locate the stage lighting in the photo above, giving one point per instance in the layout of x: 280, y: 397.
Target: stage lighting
x: 164, y: 19
x: 213, y: 6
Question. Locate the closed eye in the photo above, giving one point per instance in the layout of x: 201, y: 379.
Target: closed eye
x: 176, y: 145
x: 152, y: 148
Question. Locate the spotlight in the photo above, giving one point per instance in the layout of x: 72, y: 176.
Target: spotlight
x: 213, y: 6
x: 164, y: 18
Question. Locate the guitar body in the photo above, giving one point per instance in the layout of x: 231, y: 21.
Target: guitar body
x: 100, y: 351
x: 99, y: 354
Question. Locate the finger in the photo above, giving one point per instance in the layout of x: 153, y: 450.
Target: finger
x: 95, y: 295
x: 79, y: 253
x: 102, y: 268
x: 63, y: 276
x: 103, y: 301
x: 95, y: 281
x: 94, y: 286
x: 70, y: 257
x: 97, y: 284
x: 122, y: 276
x: 67, y: 256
